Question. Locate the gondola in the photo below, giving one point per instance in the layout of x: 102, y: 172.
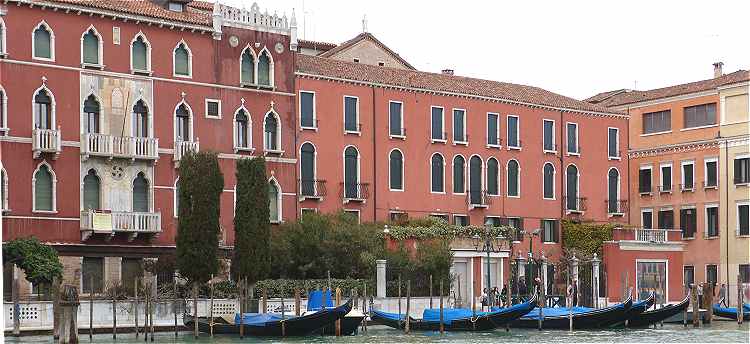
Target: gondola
x: 269, y: 324
x: 731, y: 312
x: 657, y: 315
x: 456, y: 319
x: 635, y: 310
x: 349, y: 323
x: 583, y: 317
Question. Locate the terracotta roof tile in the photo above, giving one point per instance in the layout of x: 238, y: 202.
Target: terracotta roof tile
x: 634, y: 96
x: 441, y: 83
x: 195, y: 13
x: 322, y: 46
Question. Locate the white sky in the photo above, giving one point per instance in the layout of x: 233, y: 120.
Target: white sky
x: 575, y: 48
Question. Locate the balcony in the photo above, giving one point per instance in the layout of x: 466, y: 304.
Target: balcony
x: 312, y: 189
x: 617, y: 207
x: 184, y: 147
x: 111, y: 223
x: 665, y: 188
x: 355, y: 192
x: 46, y: 141
x: 126, y: 147
x: 651, y: 235
x: 687, y: 187
x: 647, y: 239
x: 574, y: 204
x: 477, y: 199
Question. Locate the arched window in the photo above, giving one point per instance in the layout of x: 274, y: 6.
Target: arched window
x: 91, y: 115
x: 140, y: 61
x: 182, y: 123
x: 141, y: 194
x: 459, y: 173
x: 44, y: 189
x: 90, y: 47
x: 514, y: 179
x: 182, y: 60
x: 140, y: 119
x: 351, y: 172
x: 271, y: 133
x: 43, y: 110
x: 493, y: 170
x: 437, y: 173
x: 4, y: 205
x: 613, y: 191
x: 274, y: 198
x: 91, y: 191
x: 43, y: 46
x: 3, y: 111
x: 549, y: 181
x: 571, y: 187
x: 307, y: 169
x: 247, y: 67
x: 265, y: 69
x: 396, y: 170
x: 241, y: 129
x: 475, y: 180
x: 3, y: 44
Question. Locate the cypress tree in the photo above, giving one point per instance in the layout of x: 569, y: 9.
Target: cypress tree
x: 252, y: 226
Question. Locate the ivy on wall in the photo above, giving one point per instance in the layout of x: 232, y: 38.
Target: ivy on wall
x: 586, y: 238
x: 435, y: 228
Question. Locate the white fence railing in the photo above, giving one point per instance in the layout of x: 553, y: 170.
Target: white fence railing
x: 651, y: 235
x: 183, y: 147
x: 46, y: 141
x: 122, y: 221
x: 120, y: 146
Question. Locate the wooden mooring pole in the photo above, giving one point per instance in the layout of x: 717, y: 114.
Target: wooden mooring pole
x: 442, y: 326
x: 135, y: 306
x: 211, y: 306
x: 408, y: 306
x: 740, y: 301
x: 399, y: 296
x: 364, y: 304
x: 91, y: 312
x: 114, y: 311
x: 430, y: 291
x: 174, y: 304
x: 241, y: 306
x: 338, y: 303
x: 696, y: 306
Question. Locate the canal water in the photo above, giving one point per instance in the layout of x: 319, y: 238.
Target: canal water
x: 718, y: 332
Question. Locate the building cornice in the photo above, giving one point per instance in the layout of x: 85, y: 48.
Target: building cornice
x: 674, y: 148
x: 631, y: 245
x: 459, y: 95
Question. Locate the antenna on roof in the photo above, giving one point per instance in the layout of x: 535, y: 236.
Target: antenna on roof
x: 364, y: 23
x: 635, y: 84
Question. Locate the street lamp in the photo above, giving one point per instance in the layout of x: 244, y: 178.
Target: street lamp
x: 530, y: 234
x: 487, y: 243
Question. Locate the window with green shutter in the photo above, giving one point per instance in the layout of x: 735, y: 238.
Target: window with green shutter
x: 43, y: 192
x: 396, y: 170
x: 140, y: 194
x: 549, y: 181
x: 492, y: 176
x: 437, y: 173
x: 247, y: 68
x: 139, y: 54
x: 513, y: 178
x: 264, y: 69
x: 459, y: 167
x: 273, y: 198
x: 91, y: 48
x: 91, y: 191
x: 181, y: 60
x: 42, y: 43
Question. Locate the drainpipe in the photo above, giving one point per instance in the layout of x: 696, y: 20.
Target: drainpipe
x: 726, y: 208
x: 562, y: 174
x: 375, y: 160
x: 297, y: 132
x: 627, y: 161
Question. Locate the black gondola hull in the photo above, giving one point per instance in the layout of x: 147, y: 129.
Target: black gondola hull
x: 654, y: 316
x: 598, y: 318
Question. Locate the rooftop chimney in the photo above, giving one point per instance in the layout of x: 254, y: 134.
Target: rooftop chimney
x: 447, y: 71
x: 717, y: 69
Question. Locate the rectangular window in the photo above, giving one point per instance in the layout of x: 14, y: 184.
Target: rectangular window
x: 700, y: 115
x: 460, y: 220
x: 743, y: 219
x: 493, y: 128
x: 657, y: 122
x: 712, y: 221
x: 687, y: 175
x: 647, y: 219
x: 396, y: 118
x: 459, y: 125
x: 517, y: 223
x: 92, y: 271
x: 613, y: 143
x: 688, y: 222
x: 131, y: 270
x: 712, y: 274
x: 572, y: 133
x: 437, y: 124
x: 513, y: 132
x: 443, y: 217
x: 213, y: 108
x: 688, y: 275
x: 666, y: 219
x: 742, y: 170
x: 493, y: 221
x: 548, y: 133
x: 351, y: 117
x: 651, y: 276
x: 307, y: 109
x: 308, y: 211
x: 712, y: 174
x: 644, y: 180
x: 666, y: 178
x: 550, y: 228
x: 354, y: 213
x: 398, y: 216
x: 745, y: 273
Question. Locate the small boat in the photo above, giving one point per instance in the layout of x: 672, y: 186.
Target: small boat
x: 583, y: 317
x: 635, y: 310
x: 349, y: 323
x: 456, y: 319
x: 658, y: 315
x: 271, y: 324
x: 731, y: 312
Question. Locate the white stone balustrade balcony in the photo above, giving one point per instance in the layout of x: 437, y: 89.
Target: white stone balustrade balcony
x: 128, y: 147
x: 183, y: 147
x: 651, y: 235
x: 111, y: 223
x: 46, y: 141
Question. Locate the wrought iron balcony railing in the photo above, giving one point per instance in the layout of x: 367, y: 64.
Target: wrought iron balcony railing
x: 312, y: 189
x: 618, y: 206
x: 574, y: 204
x: 478, y: 199
x: 355, y: 192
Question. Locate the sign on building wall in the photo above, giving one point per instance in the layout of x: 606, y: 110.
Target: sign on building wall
x: 102, y: 222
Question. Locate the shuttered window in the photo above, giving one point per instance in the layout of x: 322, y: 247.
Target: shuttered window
x: 140, y: 194
x: 656, y: 122
x: 132, y: 270
x: 181, y: 60
x: 573, y: 138
x: 307, y: 109
x: 264, y: 69
x: 459, y: 130
x: 91, y: 191
x: 395, y: 118
x: 140, y: 54
x: 549, y: 181
x: 307, y: 169
x: 350, y: 114
x: 613, y: 151
x: 92, y: 271
x: 513, y: 178
x: 743, y: 219
x: 644, y: 180
x: 91, y: 48
x: 271, y: 134
x: 493, y: 170
x: 741, y: 170
x: 273, y: 201
x: 351, y: 173
x: 550, y: 228
x: 42, y: 43
x: 247, y: 69
x: 711, y: 173
x: 43, y: 192
x: 647, y: 219
x: 182, y: 123
x: 437, y: 173
x: 688, y: 222
x: 687, y: 176
x: 241, y: 129
x: 571, y: 188
x: 436, y: 118
x: 665, y: 219
x: 396, y: 170
x: 513, y: 129
x: 613, y: 191
x: 712, y: 222
x: 549, y: 136
x: 459, y: 171
x: 43, y: 110
x: 700, y: 115
x: 493, y: 124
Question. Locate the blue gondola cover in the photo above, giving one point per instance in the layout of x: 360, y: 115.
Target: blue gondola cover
x: 255, y: 319
x: 315, y: 300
